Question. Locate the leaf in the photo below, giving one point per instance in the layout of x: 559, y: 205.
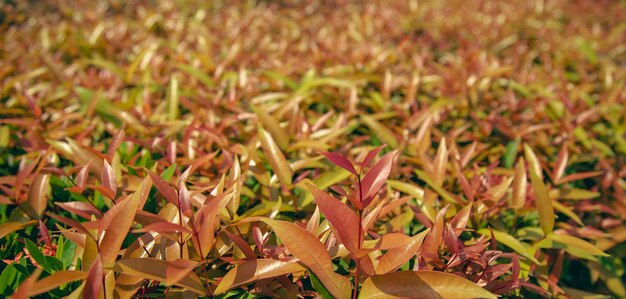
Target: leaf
x: 340, y: 161
x: 371, y: 155
x: 276, y: 133
x: 36, y: 254
x: 571, y: 244
x: 443, y: 193
x: 342, y: 218
x: 9, y: 227
x: 108, y: 178
x: 255, y: 270
x: 80, y: 208
x: 164, y: 188
x: 440, y: 163
x: 520, y: 185
x: 26, y: 285
x: 543, y: 203
x: 162, y: 227
x: 115, y: 234
x: 398, y: 256
x: 311, y: 252
x: 376, y: 176
x: 511, y: 151
x: 435, y: 236
x: 421, y: 284
x: 93, y: 285
x: 511, y: 242
x: 533, y: 161
x: 178, y: 269
x: 381, y: 131
x: 275, y: 157
x: 156, y: 269
x: 38, y: 194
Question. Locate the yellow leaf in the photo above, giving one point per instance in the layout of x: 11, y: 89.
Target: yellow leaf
x: 421, y: 284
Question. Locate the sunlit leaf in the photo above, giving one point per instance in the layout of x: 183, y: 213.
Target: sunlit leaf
x: 251, y: 271
x: 421, y: 284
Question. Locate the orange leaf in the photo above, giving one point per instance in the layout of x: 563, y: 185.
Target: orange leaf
x: 157, y: 269
x: 55, y: 280
x: 342, y: 218
x: 398, y: 256
x: 421, y: 284
x: 255, y: 270
x: 313, y: 254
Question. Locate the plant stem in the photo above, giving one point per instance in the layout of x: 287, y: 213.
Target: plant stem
x: 360, y: 234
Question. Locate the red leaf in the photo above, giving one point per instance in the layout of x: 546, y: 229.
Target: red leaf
x: 163, y: 227
x: 79, y: 208
x: 93, y: 284
x: 376, y: 176
x: 343, y: 220
x: 81, y: 177
x: 340, y: 161
x: 108, y: 177
x: 431, y: 244
x: 370, y: 156
x: 164, y: 188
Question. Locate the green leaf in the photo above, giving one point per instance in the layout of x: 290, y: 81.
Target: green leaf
x: 511, y: 242
x: 36, y: 254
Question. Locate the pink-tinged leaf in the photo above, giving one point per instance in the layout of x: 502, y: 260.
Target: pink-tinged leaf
x: 579, y: 176
x: 93, y: 284
x: 312, y: 253
x: 371, y: 155
x: 44, y: 233
x: 434, y: 238
x: 520, y: 185
x: 376, y: 176
x: 164, y: 188
x: 204, y: 227
x: 185, y: 200
x: 106, y: 192
x: 116, y: 141
x: 314, y: 222
x: 398, y: 256
x: 22, y: 174
x: 459, y: 222
x: 543, y: 203
x: 561, y: 164
x: 81, y: 177
x: 157, y: 269
x: 80, y: 208
x: 440, y: 163
x: 70, y: 222
x: 163, y: 227
x: 340, y: 161
x: 26, y: 285
x: 340, y: 216
x: 421, y: 284
x: 108, y: 177
x: 450, y: 239
x: 242, y: 244
x: 54, y: 281
x: 255, y: 270
x: 38, y: 194
x: 114, y: 236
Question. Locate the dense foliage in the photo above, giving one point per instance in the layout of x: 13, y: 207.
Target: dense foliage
x: 379, y: 149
